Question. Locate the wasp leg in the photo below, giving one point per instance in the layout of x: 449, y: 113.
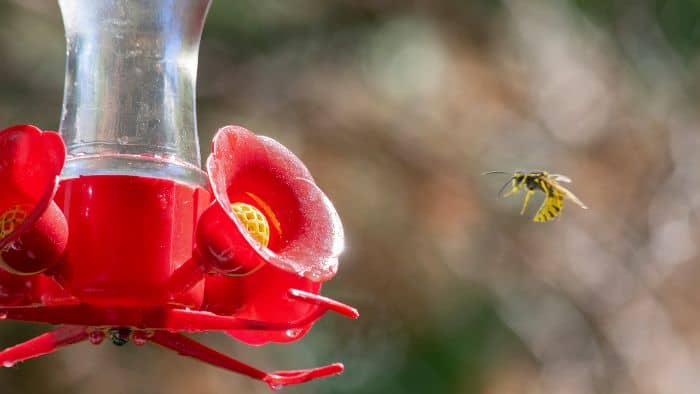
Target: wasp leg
x: 540, y: 216
x: 43, y: 344
x: 516, y: 187
x: 525, y: 201
x: 191, y: 348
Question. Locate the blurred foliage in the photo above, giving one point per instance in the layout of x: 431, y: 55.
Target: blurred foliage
x: 679, y: 20
x: 397, y: 107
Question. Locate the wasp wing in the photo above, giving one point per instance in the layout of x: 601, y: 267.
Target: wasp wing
x: 560, y: 178
x: 568, y: 194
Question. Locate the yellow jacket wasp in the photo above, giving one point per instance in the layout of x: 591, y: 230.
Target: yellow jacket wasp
x: 548, y: 184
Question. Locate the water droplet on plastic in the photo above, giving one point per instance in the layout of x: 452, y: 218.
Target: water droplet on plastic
x: 3, y: 316
x: 96, y: 337
x: 276, y: 387
x: 293, y: 332
x: 8, y: 364
x: 138, y: 340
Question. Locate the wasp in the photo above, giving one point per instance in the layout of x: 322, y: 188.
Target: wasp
x: 546, y: 183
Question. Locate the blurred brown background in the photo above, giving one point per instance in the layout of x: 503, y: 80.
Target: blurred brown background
x: 397, y: 107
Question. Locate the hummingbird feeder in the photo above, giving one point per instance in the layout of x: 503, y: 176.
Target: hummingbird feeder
x: 110, y: 229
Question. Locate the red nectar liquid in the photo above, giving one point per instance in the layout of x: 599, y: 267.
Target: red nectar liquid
x: 127, y: 236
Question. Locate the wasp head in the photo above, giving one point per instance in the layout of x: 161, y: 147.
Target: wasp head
x: 518, y: 176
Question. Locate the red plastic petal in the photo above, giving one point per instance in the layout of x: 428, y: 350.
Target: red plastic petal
x: 29, y: 160
x: 262, y: 296
x: 306, y: 235
x: 249, y: 168
x: 33, y: 230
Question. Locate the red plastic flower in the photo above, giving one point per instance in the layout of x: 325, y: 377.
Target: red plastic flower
x: 33, y: 231
x: 270, y: 230
x: 263, y: 248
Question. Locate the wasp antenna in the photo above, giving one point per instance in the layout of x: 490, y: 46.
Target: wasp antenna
x: 494, y: 172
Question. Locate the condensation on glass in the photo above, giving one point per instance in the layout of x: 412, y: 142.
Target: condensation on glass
x: 129, y: 98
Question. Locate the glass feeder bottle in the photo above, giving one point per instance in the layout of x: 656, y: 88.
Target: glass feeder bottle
x: 132, y: 188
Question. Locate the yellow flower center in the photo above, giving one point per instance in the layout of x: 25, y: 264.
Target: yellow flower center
x: 254, y: 221
x: 11, y: 219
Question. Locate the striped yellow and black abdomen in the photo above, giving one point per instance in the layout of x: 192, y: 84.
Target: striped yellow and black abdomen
x: 551, y: 206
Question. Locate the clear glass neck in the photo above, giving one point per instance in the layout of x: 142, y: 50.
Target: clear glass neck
x: 129, y: 98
